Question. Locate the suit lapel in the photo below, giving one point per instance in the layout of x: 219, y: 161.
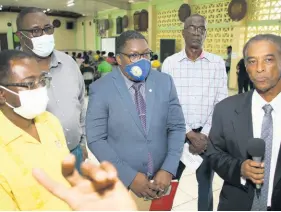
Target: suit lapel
x: 242, y: 123
x: 150, y: 96
x: 126, y: 97
x: 277, y: 176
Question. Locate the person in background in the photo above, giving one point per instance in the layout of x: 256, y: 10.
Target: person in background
x: 103, y: 54
x: 29, y: 137
x: 74, y: 56
x: 111, y: 59
x: 97, y: 56
x: 88, y: 74
x: 79, y: 60
x: 243, y: 77
x: 85, y: 55
x: 104, y: 67
x: 200, y: 79
x: 99, y: 189
x: 155, y: 63
x: 239, y: 118
x: 135, y: 121
x: 228, y: 59
x: 91, y: 58
x: 67, y: 89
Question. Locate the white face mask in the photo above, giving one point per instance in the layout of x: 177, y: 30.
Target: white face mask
x: 33, y: 102
x: 43, y: 46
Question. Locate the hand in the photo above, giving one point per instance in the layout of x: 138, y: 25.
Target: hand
x: 193, y: 150
x: 198, y: 140
x: 142, y: 187
x: 162, y: 180
x: 253, y: 171
x: 84, y: 152
x: 100, y: 189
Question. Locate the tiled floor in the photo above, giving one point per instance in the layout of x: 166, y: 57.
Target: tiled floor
x: 187, y: 194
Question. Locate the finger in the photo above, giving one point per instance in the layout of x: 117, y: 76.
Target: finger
x: 256, y: 181
x: 110, y: 170
x: 52, y: 186
x: 257, y: 176
x: 151, y: 193
x: 254, y: 170
x: 97, y: 175
x: 69, y: 171
x: 153, y: 186
x: 255, y: 164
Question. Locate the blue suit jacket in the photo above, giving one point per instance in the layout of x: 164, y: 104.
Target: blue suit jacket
x: 114, y: 131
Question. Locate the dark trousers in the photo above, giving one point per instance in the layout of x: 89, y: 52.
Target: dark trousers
x: 204, y: 176
x: 227, y: 70
x: 243, y: 82
x: 87, y: 85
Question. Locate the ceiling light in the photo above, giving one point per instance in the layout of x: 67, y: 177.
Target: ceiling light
x: 44, y: 11
x: 48, y: 10
x: 70, y: 4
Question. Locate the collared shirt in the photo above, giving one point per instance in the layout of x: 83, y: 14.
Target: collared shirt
x: 257, y: 117
x: 20, y: 153
x: 129, y: 85
x: 200, y: 84
x: 66, y: 97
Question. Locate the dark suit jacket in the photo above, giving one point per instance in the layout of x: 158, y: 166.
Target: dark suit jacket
x: 231, y: 130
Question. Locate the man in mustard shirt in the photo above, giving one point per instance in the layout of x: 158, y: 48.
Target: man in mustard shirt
x: 30, y: 137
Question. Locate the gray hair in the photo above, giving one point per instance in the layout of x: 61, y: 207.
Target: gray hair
x: 194, y: 15
x: 275, y: 39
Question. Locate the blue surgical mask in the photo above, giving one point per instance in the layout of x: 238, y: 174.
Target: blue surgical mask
x: 139, y: 70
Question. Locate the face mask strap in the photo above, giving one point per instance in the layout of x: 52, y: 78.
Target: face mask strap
x: 9, y: 90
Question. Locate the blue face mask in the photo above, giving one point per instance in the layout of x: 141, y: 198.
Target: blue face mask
x: 139, y: 70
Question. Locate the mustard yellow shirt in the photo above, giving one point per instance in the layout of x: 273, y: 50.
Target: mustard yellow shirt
x: 20, y: 153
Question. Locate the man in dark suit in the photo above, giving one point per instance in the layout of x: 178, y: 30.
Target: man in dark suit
x: 135, y: 121
x: 255, y: 114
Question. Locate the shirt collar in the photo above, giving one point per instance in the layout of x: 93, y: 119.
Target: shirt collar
x: 260, y: 102
x: 55, y: 59
x: 9, y: 131
x: 203, y: 55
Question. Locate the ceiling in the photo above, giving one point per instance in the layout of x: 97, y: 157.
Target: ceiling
x: 84, y: 7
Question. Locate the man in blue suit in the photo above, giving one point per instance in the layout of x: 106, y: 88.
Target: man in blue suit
x: 135, y: 121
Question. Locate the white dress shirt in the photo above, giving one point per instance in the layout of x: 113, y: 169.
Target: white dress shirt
x: 257, y: 117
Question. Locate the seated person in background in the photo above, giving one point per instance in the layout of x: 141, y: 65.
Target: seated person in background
x: 99, y: 190
x: 97, y: 56
x: 79, y: 59
x: 104, y: 67
x: 111, y: 59
x: 103, y: 53
x: 155, y: 63
x: 29, y: 137
x: 88, y: 74
x: 74, y: 55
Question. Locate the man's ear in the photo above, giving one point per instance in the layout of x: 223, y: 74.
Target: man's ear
x: 118, y: 59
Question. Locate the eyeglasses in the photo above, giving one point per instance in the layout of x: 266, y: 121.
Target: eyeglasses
x: 199, y: 29
x: 37, y: 32
x: 136, y: 57
x: 42, y: 81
